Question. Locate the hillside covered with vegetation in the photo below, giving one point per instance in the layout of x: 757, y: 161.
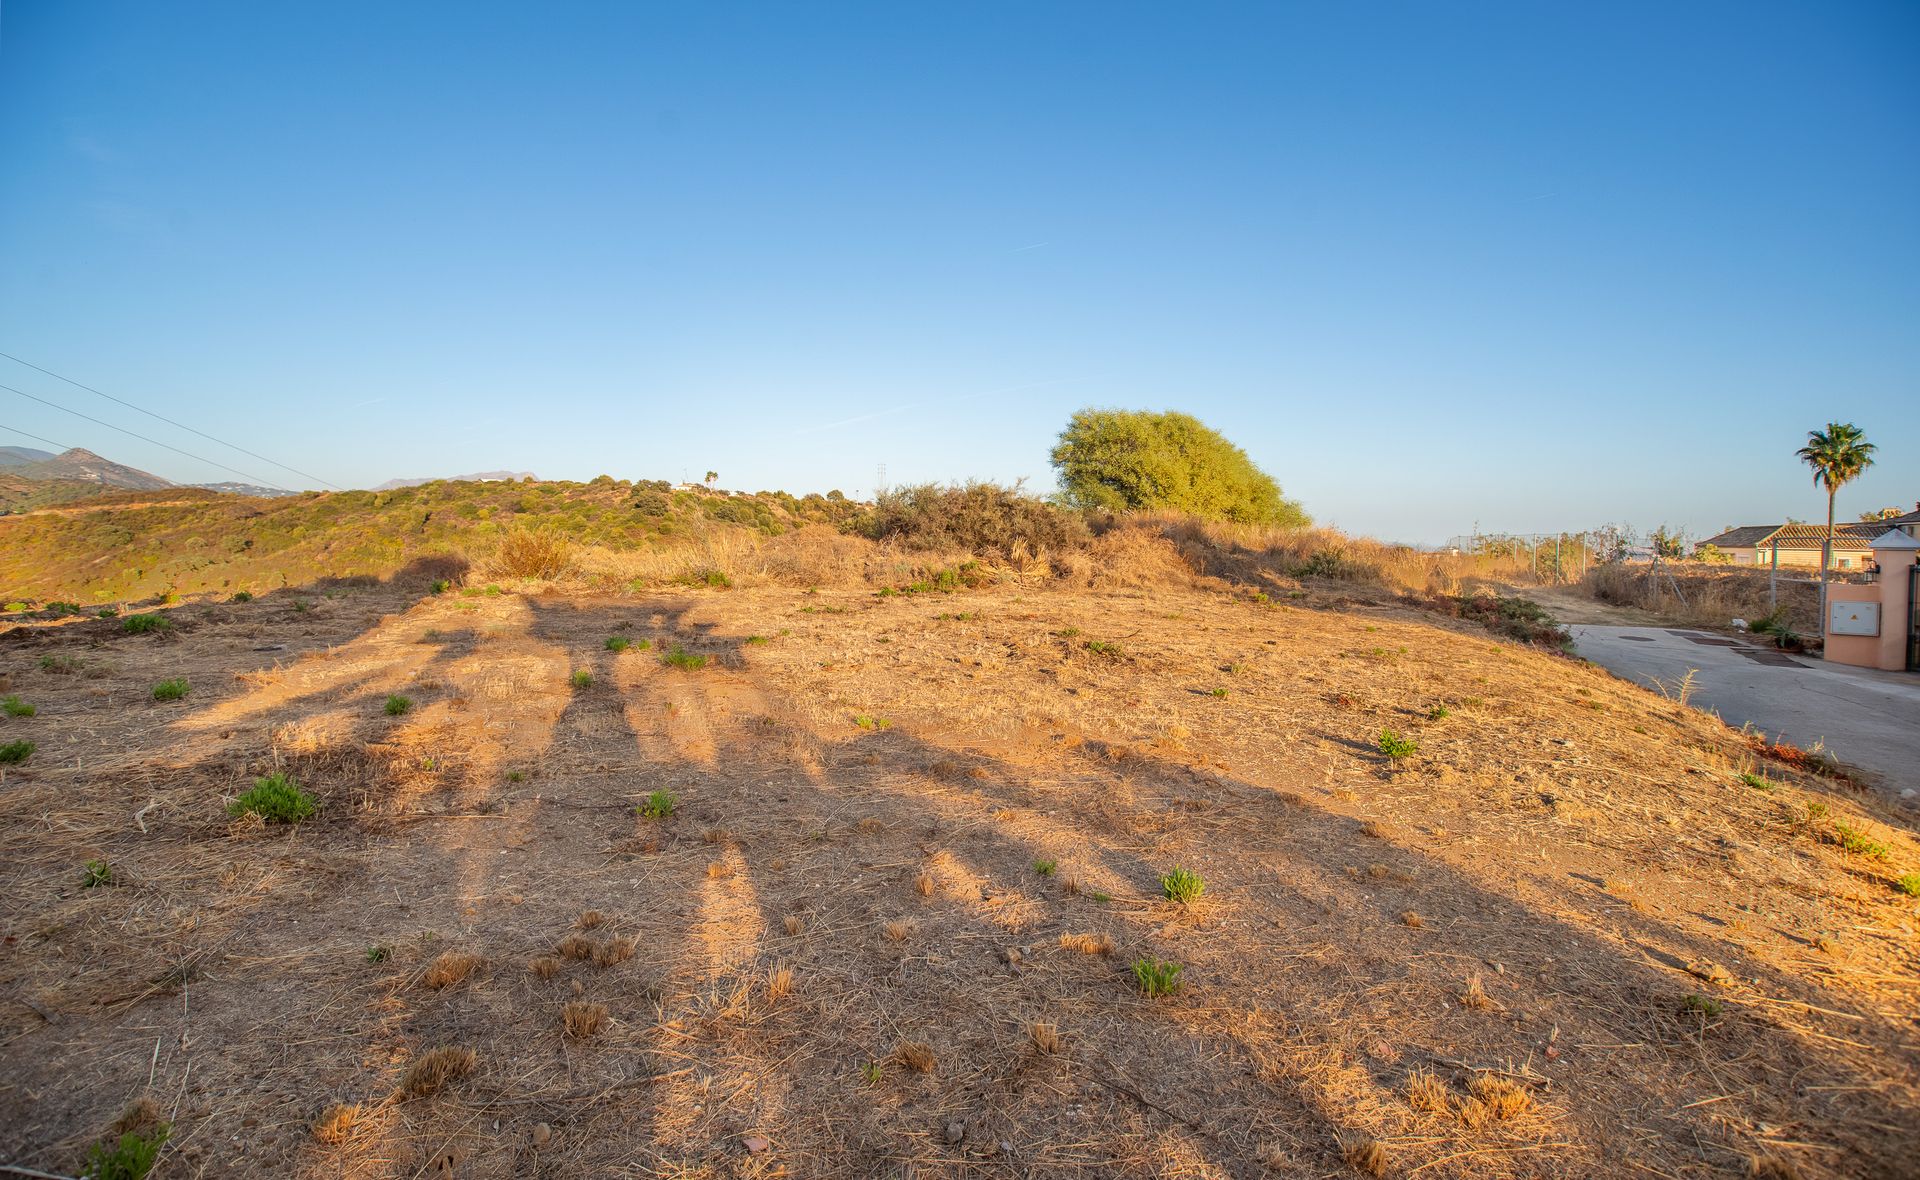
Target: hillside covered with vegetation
x: 124, y: 546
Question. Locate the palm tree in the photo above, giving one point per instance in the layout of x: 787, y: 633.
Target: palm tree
x: 1837, y: 455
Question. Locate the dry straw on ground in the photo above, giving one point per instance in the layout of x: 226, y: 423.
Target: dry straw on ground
x: 1579, y: 870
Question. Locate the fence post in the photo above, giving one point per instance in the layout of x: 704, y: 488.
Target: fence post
x: 1773, y: 580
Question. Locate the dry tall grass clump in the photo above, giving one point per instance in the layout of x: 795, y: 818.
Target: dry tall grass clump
x: 1264, y: 555
x: 336, y: 1123
x: 451, y: 968
x: 531, y: 553
x: 1710, y: 596
x: 432, y: 1070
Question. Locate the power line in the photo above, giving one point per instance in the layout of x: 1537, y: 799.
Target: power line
x: 169, y: 421
x: 123, y: 430
x: 34, y: 437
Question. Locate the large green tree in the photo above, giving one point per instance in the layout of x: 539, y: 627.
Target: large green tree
x: 1837, y: 455
x: 1119, y: 459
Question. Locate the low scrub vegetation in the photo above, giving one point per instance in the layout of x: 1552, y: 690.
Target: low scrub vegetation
x: 1156, y: 977
x: 979, y: 517
x: 171, y: 690
x: 277, y: 799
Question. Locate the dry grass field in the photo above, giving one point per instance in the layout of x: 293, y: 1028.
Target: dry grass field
x: 878, y: 891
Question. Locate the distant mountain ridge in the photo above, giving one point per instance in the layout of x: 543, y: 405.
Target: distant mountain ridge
x: 85, y: 466
x: 231, y: 488
x: 21, y: 456
x: 470, y: 477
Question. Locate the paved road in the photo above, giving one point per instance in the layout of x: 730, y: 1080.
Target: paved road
x: 1866, y: 718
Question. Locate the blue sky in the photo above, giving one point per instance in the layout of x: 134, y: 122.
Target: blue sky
x: 1531, y: 266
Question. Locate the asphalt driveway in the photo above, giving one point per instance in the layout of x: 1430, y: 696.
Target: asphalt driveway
x: 1865, y: 718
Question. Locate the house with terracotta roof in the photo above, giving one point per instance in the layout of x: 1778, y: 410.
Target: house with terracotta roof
x: 1798, y: 546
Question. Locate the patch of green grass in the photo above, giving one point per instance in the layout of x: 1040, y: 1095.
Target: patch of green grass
x: 276, y: 798
x: 1182, y: 885
x: 1396, y: 747
x: 15, y: 707
x: 758, y: 639
x: 1156, y: 977
x: 109, y: 612
x: 15, y: 752
x: 1221, y: 693
x: 865, y: 722
x: 1068, y: 632
x: 95, y: 874
x: 170, y: 690
x: 1102, y: 898
x: 1908, y: 883
x: 142, y: 624
x: 1046, y: 868
x: 1705, y: 1006
x: 1439, y: 713
x: 397, y: 705
x: 379, y: 954
x: 1858, y: 842
x: 440, y: 586
x: 871, y: 1072
x: 1101, y: 647
x: 618, y: 643
x: 1758, y: 782
x: 129, y: 1159
x: 61, y: 664
x: 241, y: 596
x: 658, y: 805
x: 582, y: 678
x: 516, y: 776
x: 679, y: 657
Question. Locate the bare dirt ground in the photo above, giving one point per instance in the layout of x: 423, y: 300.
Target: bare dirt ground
x: 888, y: 929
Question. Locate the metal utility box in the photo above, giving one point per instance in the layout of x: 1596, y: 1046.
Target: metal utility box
x: 1853, y: 618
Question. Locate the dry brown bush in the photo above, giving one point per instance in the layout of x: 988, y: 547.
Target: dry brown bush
x: 1710, y: 596
x: 581, y: 1019
x: 525, y: 552
x: 451, y: 968
x: 432, y: 1070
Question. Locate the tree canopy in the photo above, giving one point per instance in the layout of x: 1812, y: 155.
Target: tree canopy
x: 1119, y: 459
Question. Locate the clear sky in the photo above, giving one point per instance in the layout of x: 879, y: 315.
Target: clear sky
x: 1534, y: 266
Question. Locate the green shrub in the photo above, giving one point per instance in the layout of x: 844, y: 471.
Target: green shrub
x: 398, y: 705
x: 1125, y: 459
x: 1439, y: 713
x: 141, y: 624
x: 379, y: 954
x: 276, y: 798
x: 1858, y: 842
x: 61, y: 610
x: 108, y: 612
x: 96, y: 873
x: 15, y: 752
x: 170, y: 690
x: 15, y: 707
x: 1758, y: 782
x: 1908, y: 883
x: 1222, y: 693
x: 242, y: 596
x: 679, y: 657
x: 59, y: 664
x: 658, y: 805
x: 1396, y: 747
x: 1046, y: 868
x: 440, y: 586
x: 1156, y: 977
x: 1182, y: 885
x: 864, y: 721
x: 1101, y: 647
x: 1705, y: 1006
x: 130, y: 1159
x: 582, y: 678
x: 618, y: 643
